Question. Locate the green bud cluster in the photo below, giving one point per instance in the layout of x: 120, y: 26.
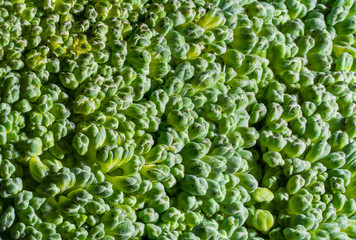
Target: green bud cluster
x: 178, y: 119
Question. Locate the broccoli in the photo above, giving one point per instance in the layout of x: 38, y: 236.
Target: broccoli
x: 178, y: 119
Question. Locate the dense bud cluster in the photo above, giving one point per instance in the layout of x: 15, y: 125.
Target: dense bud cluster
x: 178, y: 119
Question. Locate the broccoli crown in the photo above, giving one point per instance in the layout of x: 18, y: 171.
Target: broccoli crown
x: 178, y: 119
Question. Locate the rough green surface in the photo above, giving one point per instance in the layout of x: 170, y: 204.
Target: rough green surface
x: 177, y: 119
